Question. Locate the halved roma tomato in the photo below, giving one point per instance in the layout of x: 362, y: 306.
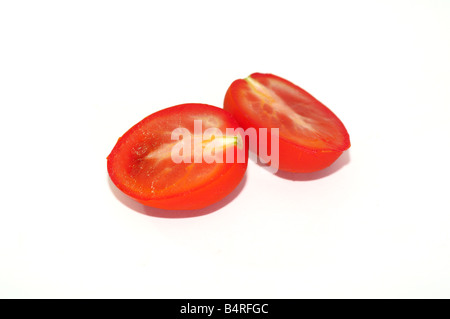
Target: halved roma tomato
x: 159, y: 162
x: 311, y: 137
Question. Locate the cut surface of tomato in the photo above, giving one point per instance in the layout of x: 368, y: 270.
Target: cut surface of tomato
x: 142, y: 163
x: 311, y: 137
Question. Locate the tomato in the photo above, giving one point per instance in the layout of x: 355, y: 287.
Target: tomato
x: 161, y: 161
x: 311, y: 137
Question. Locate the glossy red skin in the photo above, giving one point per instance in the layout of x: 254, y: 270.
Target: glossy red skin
x: 209, y: 192
x: 292, y: 157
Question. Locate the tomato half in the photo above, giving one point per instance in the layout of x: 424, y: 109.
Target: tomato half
x: 143, y: 166
x: 311, y: 137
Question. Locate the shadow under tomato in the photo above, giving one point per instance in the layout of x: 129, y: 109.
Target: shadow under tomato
x: 343, y: 160
x: 164, y: 213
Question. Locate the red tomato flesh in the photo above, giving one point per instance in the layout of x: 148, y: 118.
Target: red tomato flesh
x: 141, y: 165
x: 311, y: 137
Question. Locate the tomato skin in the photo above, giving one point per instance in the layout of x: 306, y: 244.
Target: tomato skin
x: 293, y: 157
x: 311, y: 161
x: 223, y: 179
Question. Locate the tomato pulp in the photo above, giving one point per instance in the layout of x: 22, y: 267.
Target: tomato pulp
x: 143, y: 166
x: 311, y: 137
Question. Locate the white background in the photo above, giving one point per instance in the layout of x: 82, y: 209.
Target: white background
x: 75, y: 75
